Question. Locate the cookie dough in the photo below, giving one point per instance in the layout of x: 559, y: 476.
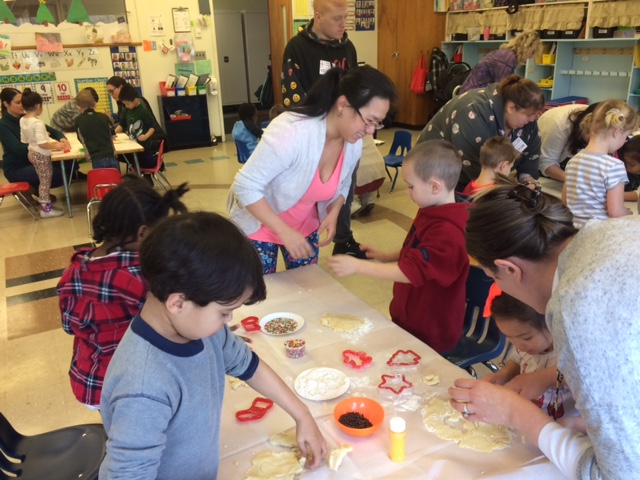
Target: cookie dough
x: 342, y: 323
x: 449, y: 424
x: 270, y: 465
x: 336, y: 456
x: 236, y: 383
x: 284, y: 439
x: 431, y: 379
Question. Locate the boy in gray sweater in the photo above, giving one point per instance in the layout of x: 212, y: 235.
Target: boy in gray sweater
x: 163, y: 391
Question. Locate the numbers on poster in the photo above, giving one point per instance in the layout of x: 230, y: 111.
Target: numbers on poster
x: 63, y: 91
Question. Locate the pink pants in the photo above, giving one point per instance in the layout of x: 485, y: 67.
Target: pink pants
x: 44, y: 170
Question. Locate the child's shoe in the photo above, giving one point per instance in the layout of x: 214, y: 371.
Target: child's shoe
x: 47, y: 210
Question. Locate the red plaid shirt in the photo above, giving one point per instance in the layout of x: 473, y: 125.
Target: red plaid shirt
x: 98, y: 299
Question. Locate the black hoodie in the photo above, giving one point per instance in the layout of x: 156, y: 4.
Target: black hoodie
x: 307, y: 57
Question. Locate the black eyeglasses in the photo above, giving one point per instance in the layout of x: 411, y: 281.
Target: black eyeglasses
x: 526, y: 195
x: 369, y: 124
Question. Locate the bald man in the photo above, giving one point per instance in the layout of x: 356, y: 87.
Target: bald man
x: 319, y: 46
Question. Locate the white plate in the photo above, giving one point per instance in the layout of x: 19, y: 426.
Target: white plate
x: 293, y: 316
x: 321, y: 384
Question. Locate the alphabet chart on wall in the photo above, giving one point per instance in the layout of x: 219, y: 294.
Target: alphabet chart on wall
x: 100, y: 86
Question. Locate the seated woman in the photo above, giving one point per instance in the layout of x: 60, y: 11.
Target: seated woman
x: 295, y: 183
x: 508, y: 109
x: 562, y: 137
x: 526, y: 241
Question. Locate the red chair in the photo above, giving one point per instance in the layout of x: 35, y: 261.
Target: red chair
x: 99, y: 182
x: 156, y: 171
x: 17, y: 190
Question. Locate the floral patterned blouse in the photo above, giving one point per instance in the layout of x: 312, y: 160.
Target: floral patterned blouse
x: 471, y: 119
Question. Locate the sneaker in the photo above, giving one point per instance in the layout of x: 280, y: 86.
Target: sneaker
x: 47, y: 210
x: 350, y: 247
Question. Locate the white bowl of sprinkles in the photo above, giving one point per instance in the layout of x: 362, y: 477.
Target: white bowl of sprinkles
x: 281, y: 323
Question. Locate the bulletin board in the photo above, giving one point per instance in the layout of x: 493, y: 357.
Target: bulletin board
x: 38, y: 82
x: 100, y: 86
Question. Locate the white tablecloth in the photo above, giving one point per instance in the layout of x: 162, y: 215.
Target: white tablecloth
x: 310, y: 292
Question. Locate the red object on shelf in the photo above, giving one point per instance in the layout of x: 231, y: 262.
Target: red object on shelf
x: 404, y: 358
x: 179, y: 118
x: 259, y: 407
x: 356, y: 360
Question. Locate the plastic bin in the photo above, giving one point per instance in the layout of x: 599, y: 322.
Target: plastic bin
x: 550, y: 34
x: 167, y: 92
x: 202, y: 89
x: 192, y: 90
x: 569, y: 33
x: 180, y: 92
x: 548, y: 59
x: 601, y: 32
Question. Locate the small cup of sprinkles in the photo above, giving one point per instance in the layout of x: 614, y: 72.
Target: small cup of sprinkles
x: 295, y: 348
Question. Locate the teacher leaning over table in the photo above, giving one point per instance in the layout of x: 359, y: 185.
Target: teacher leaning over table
x: 526, y: 241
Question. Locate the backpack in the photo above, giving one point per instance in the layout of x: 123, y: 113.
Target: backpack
x: 264, y: 93
x: 447, y: 82
x: 439, y: 64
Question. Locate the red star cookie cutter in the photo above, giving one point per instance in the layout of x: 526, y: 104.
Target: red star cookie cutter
x: 404, y: 358
x: 356, y: 360
x: 395, y: 384
x: 251, y: 324
x: 259, y: 407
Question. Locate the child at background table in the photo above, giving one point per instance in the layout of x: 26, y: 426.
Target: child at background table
x: 95, y: 132
x: 532, y: 366
x: 630, y: 155
x: 103, y: 290
x: 430, y: 271
x: 497, y: 156
x: 162, y: 397
x: 139, y: 124
x: 33, y: 131
x: 246, y: 129
x: 65, y: 117
x: 594, y: 186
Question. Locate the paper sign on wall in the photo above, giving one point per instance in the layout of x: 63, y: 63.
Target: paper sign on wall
x: 156, y: 26
x: 5, y: 45
x: 63, y: 91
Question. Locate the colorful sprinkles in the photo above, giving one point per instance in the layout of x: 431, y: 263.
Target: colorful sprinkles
x: 280, y: 326
x: 295, y: 348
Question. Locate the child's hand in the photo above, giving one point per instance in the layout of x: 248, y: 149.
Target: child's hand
x: 374, y: 253
x: 65, y: 144
x: 494, y: 378
x: 533, y: 385
x: 141, y: 138
x: 343, y: 265
x: 310, y: 441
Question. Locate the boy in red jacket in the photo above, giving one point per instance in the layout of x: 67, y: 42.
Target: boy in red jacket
x: 430, y: 271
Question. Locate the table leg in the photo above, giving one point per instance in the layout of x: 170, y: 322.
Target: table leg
x: 66, y: 186
x: 135, y: 159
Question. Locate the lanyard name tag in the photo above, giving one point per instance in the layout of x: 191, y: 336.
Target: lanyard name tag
x: 324, y: 67
x: 519, y: 145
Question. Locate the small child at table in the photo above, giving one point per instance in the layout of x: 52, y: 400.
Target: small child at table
x: 103, y: 289
x: 162, y: 397
x: 532, y: 367
x: 33, y: 132
x: 95, y: 132
x: 497, y: 156
x: 139, y: 124
x: 430, y: 271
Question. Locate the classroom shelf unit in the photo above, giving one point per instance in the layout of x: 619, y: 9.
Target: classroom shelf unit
x: 191, y: 133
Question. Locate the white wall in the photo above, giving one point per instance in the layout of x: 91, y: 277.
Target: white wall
x: 239, y: 5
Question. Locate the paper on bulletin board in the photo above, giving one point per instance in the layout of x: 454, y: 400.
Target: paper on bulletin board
x: 100, y: 86
x: 62, y: 91
x: 181, y: 20
x: 302, y: 8
x: 350, y: 24
x: 156, y: 25
x: 5, y: 45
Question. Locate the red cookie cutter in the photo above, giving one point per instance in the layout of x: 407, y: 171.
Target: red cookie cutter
x: 256, y: 411
x: 251, y: 324
x: 395, y: 383
x: 404, y: 358
x: 356, y: 360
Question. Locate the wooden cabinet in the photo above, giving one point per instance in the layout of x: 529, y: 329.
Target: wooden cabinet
x: 191, y: 133
x: 406, y: 28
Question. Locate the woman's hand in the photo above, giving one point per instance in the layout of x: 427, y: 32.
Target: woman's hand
x: 485, y: 401
x: 296, y: 244
x: 494, y: 378
x: 328, y: 224
x: 533, y: 385
x: 65, y: 144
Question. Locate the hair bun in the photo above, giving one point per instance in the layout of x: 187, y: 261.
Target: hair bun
x: 27, y: 90
x: 614, y: 118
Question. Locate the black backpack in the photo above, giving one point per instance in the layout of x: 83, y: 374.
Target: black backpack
x: 439, y: 64
x: 447, y: 82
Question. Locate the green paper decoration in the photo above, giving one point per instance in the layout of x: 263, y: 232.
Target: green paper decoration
x: 77, y: 13
x: 5, y: 13
x: 44, y: 15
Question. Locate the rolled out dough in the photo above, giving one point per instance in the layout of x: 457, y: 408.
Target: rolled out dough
x: 431, y: 379
x: 270, y: 465
x: 342, y: 323
x: 284, y: 439
x: 336, y: 455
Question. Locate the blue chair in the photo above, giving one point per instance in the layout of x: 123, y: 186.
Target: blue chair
x: 482, y: 341
x: 243, y: 151
x: 402, y: 142
x: 265, y: 124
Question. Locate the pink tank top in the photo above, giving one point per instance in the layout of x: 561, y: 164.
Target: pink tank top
x: 303, y: 216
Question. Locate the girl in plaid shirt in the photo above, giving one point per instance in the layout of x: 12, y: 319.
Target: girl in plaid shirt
x: 103, y: 289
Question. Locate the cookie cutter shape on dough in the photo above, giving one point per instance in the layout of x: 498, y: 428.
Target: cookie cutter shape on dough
x: 356, y: 360
x: 258, y: 409
x: 395, y: 385
x: 404, y: 358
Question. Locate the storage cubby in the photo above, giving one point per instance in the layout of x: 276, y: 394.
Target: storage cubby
x: 185, y: 133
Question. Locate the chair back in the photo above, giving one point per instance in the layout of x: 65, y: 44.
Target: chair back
x: 265, y: 124
x: 478, y: 285
x: 401, y: 141
x: 102, y: 180
x: 243, y: 151
x: 160, y: 155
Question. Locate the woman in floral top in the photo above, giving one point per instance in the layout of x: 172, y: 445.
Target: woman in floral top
x: 509, y: 108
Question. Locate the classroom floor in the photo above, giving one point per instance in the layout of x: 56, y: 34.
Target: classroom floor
x: 34, y: 350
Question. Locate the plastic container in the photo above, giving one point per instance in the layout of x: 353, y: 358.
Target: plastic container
x: 601, y: 32
x: 570, y: 34
x: 367, y: 407
x: 397, y: 433
x: 202, y: 89
x: 181, y: 92
x: 550, y: 34
x: 192, y: 90
x: 548, y: 58
x: 295, y: 348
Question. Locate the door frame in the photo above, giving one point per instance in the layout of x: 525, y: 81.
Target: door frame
x: 280, y: 32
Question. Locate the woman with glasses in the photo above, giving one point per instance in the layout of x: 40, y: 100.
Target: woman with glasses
x: 114, y: 85
x: 508, y: 108
x: 293, y: 186
x: 526, y: 241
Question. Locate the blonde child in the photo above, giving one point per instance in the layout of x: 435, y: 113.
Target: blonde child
x: 532, y: 367
x: 103, y: 289
x: 430, y: 271
x: 33, y: 131
x: 594, y: 187
x: 497, y: 156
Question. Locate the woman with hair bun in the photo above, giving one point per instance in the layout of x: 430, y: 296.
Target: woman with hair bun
x: 594, y: 187
x: 292, y: 187
x: 526, y: 241
x: 509, y: 109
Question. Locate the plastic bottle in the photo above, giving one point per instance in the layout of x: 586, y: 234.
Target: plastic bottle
x: 397, y: 428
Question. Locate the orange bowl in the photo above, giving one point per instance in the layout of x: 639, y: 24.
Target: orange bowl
x: 370, y: 409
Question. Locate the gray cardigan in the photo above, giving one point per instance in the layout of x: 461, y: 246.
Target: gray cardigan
x: 282, y: 168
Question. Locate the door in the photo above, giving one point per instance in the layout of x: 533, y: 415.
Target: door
x: 231, y: 58
x: 258, y: 50
x: 280, y: 31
